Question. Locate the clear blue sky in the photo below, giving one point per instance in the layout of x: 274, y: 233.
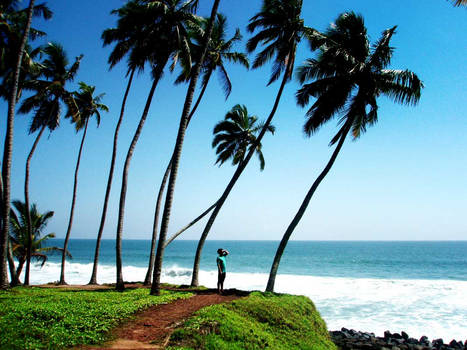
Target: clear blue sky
x: 406, y: 178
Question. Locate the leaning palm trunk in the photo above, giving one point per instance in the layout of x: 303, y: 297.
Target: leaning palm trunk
x: 11, y: 261
x: 301, y: 210
x: 14, y: 275
x: 178, y: 233
x: 72, y: 210
x: 7, y: 155
x: 109, y: 183
x: 155, y: 288
x: 121, y: 210
x: 152, y: 256
x: 147, y: 280
x: 26, y: 201
x: 236, y: 176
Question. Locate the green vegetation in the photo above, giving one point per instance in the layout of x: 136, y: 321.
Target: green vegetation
x: 262, y: 320
x: 43, y: 318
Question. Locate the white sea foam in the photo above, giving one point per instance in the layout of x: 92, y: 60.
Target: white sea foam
x: 436, y: 308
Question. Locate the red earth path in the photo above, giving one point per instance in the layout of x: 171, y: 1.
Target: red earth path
x: 151, y: 328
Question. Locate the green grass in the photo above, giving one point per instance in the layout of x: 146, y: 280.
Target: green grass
x: 260, y: 321
x: 49, y: 318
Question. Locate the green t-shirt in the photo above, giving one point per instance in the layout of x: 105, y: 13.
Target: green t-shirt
x: 221, y: 261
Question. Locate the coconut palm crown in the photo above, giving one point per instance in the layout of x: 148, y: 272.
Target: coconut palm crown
x: 349, y: 75
x: 49, y: 92
x: 236, y: 134
x: 151, y: 30
x: 19, y: 234
x: 219, y: 51
x: 88, y: 105
x: 282, y: 29
x: 12, y: 23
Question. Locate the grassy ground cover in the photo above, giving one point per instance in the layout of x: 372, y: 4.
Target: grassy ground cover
x: 49, y: 318
x: 260, y: 321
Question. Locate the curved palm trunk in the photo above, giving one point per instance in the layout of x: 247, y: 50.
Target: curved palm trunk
x: 18, y: 272
x: 7, y: 155
x: 152, y: 256
x: 155, y: 288
x: 121, y: 210
x: 14, y: 277
x: 11, y: 261
x: 236, y: 176
x: 178, y: 233
x: 28, y: 211
x: 72, y: 210
x: 301, y: 211
x: 109, y: 183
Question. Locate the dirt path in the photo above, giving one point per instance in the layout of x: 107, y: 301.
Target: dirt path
x: 152, y: 327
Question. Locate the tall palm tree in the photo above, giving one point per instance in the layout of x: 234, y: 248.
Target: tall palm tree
x: 349, y: 77
x: 49, y: 94
x: 219, y: 50
x: 164, y: 27
x: 127, y: 39
x: 20, y: 236
x: 88, y: 106
x: 280, y: 30
x: 8, y: 145
x: 155, y: 287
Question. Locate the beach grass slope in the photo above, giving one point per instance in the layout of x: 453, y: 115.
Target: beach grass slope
x: 50, y: 318
x: 259, y: 321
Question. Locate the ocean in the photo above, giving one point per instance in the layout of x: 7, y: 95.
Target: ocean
x: 417, y: 287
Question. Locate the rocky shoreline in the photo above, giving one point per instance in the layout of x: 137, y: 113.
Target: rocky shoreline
x: 349, y: 339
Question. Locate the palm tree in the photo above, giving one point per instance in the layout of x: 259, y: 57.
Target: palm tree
x: 127, y: 40
x: 350, y: 76
x: 163, y: 25
x: 46, y: 102
x: 88, y: 106
x: 20, y: 238
x: 8, y: 145
x: 282, y: 30
x: 219, y: 50
x: 155, y: 288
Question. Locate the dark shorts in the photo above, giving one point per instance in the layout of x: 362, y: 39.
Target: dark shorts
x: 221, y: 277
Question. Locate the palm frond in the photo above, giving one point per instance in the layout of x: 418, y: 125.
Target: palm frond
x: 403, y: 86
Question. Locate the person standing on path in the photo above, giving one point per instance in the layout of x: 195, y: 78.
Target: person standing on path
x: 221, y: 269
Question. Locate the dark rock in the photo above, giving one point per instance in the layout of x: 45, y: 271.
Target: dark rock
x: 396, y: 336
x: 387, y: 335
x: 404, y: 335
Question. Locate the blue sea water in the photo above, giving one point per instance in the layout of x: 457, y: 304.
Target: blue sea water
x: 418, y: 287
x: 358, y: 259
